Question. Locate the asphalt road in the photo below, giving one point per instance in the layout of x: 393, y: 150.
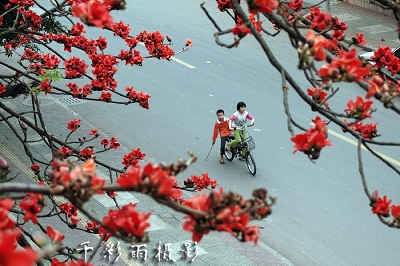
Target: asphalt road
x: 322, y: 216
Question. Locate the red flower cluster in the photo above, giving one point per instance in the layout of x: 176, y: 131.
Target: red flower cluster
x: 381, y: 206
x: 65, y: 151
x: 221, y: 213
x: 377, y: 85
x: 77, y: 29
x: 317, y: 44
x: 2, y: 88
x: 120, y: 29
x: 154, y: 44
x: 368, y: 131
x: 384, y: 56
x: 115, y: 4
x: 312, y: 142
x: 114, y: 143
x: 359, y: 109
x: 86, y: 153
x: 339, y: 27
x: 34, y: 19
x: 54, y: 235
x: 200, y: 182
x: 296, y: 5
x: 27, y: 3
x: 94, y: 132
x: 140, y: 97
x: 5, y: 221
x: 346, y: 67
x: 9, y: 255
x: 318, y: 96
x: 79, y: 182
x: 93, y: 13
x: 105, y: 96
x: 69, y: 209
x: 43, y: 60
x: 35, y: 168
x: 150, y: 180
x: 132, y: 158
x: 223, y: 5
x: 261, y: 6
x: 126, y: 220
x: 32, y: 204
x: 104, y: 69
x: 72, y: 212
x: 92, y: 226
x: 132, y: 57
x: 242, y: 30
x: 319, y: 20
x: 73, y: 124
x: 45, y: 86
x: 74, y: 67
x: 359, y: 39
x: 77, y: 92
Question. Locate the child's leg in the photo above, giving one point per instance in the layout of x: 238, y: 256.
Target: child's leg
x: 236, y: 140
x: 222, y: 148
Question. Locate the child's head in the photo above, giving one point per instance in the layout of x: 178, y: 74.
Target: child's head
x: 220, y: 114
x: 241, y: 105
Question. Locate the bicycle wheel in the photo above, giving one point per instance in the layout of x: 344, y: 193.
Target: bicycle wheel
x: 251, y: 164
x: 229, y: 155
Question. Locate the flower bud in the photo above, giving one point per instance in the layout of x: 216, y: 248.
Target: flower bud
x: 23, y: 126
x: 374, y: 196
x: 3, y: 164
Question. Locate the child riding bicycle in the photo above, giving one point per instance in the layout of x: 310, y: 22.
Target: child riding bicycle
x: 238, y: 123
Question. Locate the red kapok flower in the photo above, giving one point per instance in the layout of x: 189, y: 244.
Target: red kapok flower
x: 54, y: 235
x: 251, y: 233
x: 395, y: 210
x: 241, y: 30
x: 45, y: 86
x: 94, y: 132
x: 359, y: 109
x: 381, y: 206
x: 35, y: 167
x: 261, y: 6
x: 359, y: 39
x: 93, y: 13
x: 32, y: 204
x: 9, y: 255
x: 127, y: 220
x: 5, y: 221
x: 2, y: 88
x: 73, y: 124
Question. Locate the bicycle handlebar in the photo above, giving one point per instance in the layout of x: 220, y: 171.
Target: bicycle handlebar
x: 244, y: 127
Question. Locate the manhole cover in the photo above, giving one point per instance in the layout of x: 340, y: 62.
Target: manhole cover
x: 43, y: 100
x: 70, y: 100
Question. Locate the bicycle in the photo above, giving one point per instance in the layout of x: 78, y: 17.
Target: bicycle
x: 246, y: 145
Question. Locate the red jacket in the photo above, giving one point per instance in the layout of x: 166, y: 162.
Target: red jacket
x: 222, y: 128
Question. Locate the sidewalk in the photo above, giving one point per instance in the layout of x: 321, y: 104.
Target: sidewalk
x: 378, y: 29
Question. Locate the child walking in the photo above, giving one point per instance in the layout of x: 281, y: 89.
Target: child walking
x: 221, y: 126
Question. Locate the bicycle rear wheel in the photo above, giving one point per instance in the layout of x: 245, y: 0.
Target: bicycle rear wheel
x: 251, y: 164
x: 229, y: 155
